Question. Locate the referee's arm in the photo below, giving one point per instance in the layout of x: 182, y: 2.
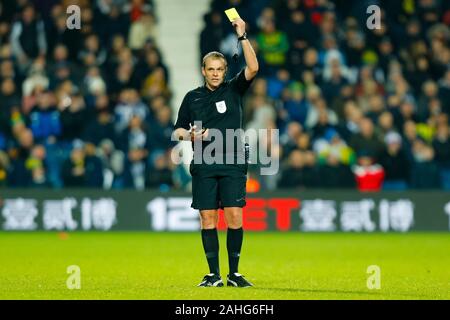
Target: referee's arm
x: 251, y: 61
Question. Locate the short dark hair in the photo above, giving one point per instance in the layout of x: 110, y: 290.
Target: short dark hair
x: 214, y: 55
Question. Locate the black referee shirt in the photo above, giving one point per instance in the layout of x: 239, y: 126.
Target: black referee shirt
x: 220, y: 109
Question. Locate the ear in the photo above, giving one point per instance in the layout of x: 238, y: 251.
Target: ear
x: 203, y: 71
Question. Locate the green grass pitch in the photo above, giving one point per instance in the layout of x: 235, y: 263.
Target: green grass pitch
x: 126, y: 265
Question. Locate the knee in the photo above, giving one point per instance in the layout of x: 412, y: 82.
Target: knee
x: 234, y: 219
x: 208, y: 220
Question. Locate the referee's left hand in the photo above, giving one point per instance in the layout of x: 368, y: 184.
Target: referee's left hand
x: 198, y: 134
x: 239, y: 26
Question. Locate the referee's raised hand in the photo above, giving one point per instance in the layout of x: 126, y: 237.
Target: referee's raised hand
x: 239, y: 26
x: 249, y: 54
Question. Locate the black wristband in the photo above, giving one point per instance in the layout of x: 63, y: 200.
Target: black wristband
x: 243, y: 37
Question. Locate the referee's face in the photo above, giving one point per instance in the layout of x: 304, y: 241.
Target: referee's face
x: 214, y: 72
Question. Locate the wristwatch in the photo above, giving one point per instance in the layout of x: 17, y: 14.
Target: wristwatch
x: 243, y: 37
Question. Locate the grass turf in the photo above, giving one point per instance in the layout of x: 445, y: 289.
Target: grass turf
x: 169, y: 266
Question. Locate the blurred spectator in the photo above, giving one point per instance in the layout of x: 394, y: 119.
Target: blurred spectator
x: 444, y: 91
x: 160, y: 175
x: 395, y: 163
x: 73, y: 117
x: 303, y: 162
x: 83, y: 168
x: 212, y: 33
x: 320, y: 119
x: 59, y: 34
x: 335, y: 78
x: 404, y: 112
x: 273, y: 46
x: 310, y: 64
x: 60, y: 58
x: 299, y: 171
x: 369, y: 175
x: 376, y: 108
x: 441, y: 146
x: 129, y: 105
x: 28, y: 38
x: 35, y: 83
x: 135, y: 143
x: 101, y: 124
x: 93, y: 84
x: 290, y: 137
x: 137, y: 8
x: 4, y: 168
x: 7, y: 70
x: 8, y: 94
x: 317, y: 106
x: 385, y: 123
x: 13, y: 124
x: 301, y: 35
x: 269, y: 146
x: 429, y: 92
x: 295, y: 105
x: 424, y: 171
x: 365, y: 92
x: 122, y: 80
x: 155, y: 85
x: 112, y: 19
x: 113, y: 162
x: 263, y: 117
x: 20, y: 175
x: 151, y: 62
x: 385, y: 51
x: 350, y: 123
x: 277, y: 83
x: 116, y: 46
x: 44, y: 118
x: 160, y: 130
x: 92, y: 53
x: 253, y: 99
x: 366, y: 141
x: 334, y: 158
x: 35, y: 165
x: 141, y: 29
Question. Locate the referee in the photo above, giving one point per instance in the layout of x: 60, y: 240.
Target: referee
x: 218, y: 104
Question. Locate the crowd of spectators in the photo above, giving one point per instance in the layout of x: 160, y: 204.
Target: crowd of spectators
x: 355, y: 106
x: 87, y: 107
x: 91, y: 107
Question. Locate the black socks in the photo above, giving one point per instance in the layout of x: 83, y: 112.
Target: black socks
x: 210, y: 241
x: 234, y: 244
x: 211, y: 245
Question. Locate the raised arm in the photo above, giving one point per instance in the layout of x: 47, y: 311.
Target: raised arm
x: 251, y: 61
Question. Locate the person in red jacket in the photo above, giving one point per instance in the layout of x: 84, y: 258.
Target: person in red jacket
x: 369, y: 175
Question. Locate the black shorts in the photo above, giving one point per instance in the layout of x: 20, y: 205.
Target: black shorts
x: 218, y: 186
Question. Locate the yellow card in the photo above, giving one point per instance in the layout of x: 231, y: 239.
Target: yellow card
x: 232, y: 14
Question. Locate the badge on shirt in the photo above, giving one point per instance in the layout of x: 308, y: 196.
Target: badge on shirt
x: 221, y: 106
